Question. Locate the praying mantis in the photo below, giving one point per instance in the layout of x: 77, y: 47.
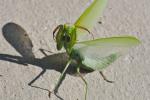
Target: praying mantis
x: 95, y: 54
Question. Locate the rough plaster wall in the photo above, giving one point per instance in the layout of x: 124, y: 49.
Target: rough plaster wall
x: 131, y: 73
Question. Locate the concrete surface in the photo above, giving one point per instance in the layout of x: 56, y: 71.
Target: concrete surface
x: 38, y: 18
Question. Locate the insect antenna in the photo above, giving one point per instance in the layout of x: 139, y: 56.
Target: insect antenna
x: 86, y: 30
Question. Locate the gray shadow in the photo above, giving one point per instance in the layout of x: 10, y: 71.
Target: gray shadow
x: 18, y: 38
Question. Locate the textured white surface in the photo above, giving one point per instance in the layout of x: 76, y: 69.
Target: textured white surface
x: 131, y: 73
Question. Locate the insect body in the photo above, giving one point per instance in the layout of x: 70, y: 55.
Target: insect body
x: 93, y: 54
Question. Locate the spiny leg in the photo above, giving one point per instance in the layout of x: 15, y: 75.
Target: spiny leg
x: 78, y: 71
x: 60, y: 78
x: 104, y: 77
x: 58, y: 27
x: 86, y: 30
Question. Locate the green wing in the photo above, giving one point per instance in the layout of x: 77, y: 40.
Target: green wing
x: 91, y: 15
x: 98, y: 54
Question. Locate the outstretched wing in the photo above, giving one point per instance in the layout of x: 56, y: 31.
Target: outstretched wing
x: 90, y: 16
x: 98, y: 54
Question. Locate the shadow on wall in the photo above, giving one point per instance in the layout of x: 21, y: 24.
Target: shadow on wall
x: 18, y: 38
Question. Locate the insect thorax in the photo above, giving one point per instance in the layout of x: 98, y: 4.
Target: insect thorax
x: 76, y: 55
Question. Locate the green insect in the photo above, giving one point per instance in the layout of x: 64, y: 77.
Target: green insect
x: 90, y: 54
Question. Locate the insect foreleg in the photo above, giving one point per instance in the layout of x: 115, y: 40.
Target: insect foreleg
x: 57, y: 28
x: 104, y: 77
x: 86, y: 85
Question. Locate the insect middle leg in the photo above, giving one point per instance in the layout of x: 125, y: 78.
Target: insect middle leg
x: 60, y: 78
x: 86, y: 86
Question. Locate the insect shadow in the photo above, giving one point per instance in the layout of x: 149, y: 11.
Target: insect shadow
x: 18, y: 38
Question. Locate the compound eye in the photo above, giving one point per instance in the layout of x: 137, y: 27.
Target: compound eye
x: 66, y: 38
